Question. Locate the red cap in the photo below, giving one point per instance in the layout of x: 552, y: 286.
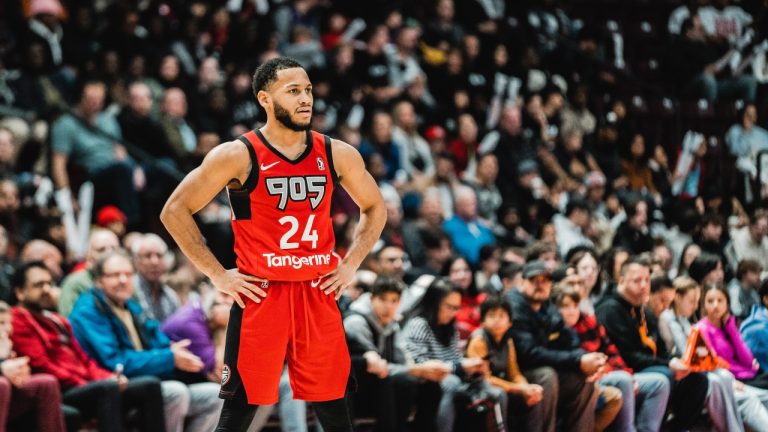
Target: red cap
x: 52, y: 7
x: 109, y: 214
x: 434, y: 132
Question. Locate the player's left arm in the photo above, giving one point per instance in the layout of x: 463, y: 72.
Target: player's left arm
x: 362, y: 188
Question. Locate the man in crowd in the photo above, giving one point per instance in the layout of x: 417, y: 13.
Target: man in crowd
x: 150, y: 255
x: 751, y: 241
x: 114, y: 329
x: 46, y: 338
x: 80, y: 281
x: 743, y: 289
x: 85, y: 138
x: 467, y: 232
x: 545, y: 353
x: 632, y: 329
x: 387, y: 386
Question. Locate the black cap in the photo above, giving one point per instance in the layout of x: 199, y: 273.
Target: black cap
x: 532, y: 269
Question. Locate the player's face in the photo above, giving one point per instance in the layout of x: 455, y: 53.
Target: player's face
x: 292, y: 99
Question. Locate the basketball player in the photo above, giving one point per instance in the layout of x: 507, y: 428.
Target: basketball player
x: 280, y: 180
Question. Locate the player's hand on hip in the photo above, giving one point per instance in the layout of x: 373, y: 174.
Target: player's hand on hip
x: 339, y: 279
x: 236, y: 284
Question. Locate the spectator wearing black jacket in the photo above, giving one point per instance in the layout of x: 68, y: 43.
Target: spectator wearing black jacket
x: 546, y: 347
x: 636, y: 335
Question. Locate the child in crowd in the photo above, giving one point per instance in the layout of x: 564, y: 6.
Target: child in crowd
x: 529, y: 406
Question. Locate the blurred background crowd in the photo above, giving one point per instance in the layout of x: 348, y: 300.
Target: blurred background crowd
x: 501, y: 134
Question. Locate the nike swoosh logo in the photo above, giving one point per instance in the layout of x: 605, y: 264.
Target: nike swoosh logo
x: 315, y: 283
x: 266, y: 167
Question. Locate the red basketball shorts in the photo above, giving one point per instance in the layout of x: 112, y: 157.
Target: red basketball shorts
x: 296, y: 322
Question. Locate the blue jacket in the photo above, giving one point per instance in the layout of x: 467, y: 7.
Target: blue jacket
x: 104, y: 337
x: 466, y: 241
x: 754, y: 331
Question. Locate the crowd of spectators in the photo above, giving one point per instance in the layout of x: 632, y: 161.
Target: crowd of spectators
x: 592, y: 171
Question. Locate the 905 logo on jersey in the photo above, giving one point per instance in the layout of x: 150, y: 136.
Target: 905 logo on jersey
x: 297, y: 189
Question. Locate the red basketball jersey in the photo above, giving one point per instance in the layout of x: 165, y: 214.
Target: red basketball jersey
x: 281, y: 216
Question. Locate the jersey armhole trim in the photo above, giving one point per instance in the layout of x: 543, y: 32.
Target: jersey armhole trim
x: 253, y: 176
x: 329, y: 156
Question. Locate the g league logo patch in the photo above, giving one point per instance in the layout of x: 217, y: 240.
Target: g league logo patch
x: 225, y: 374
x: 320, y: 164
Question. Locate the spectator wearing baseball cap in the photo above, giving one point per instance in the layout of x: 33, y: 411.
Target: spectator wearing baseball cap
x: 112, y: 218
x: 547, y: 350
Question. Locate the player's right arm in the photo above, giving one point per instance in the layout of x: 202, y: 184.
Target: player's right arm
x: 228, y: 163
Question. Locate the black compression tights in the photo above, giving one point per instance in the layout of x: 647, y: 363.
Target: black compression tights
x: 236, y: 415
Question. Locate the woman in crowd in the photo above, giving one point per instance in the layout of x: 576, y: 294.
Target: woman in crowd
x: 707, y: 269
x: 431, y: 336
x: 585, y: 265
x: 740, y: 405
x: 718, y: 328
x: 458, y: 271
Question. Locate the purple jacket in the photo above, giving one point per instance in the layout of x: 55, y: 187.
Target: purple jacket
x: 727, y: 343
x: 189, y: 322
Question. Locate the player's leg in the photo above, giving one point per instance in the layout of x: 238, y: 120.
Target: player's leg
x: 236, y: 414
x: 318, y: 358
x: 256, y: 339
x: 334, y: 415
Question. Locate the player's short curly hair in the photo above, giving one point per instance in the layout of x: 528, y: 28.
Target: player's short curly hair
x: 266, y: 74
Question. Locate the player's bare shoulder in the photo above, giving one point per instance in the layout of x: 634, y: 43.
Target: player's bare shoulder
x: 345, y: 158
x: 231, y: 158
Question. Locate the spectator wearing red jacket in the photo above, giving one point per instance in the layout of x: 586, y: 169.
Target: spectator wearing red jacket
x: 47, y: 339
x: 22, y: 394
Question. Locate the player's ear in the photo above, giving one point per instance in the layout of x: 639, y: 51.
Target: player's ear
x: 263, y: 98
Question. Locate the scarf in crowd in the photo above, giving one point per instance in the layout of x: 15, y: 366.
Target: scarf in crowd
x: 644, y: 338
